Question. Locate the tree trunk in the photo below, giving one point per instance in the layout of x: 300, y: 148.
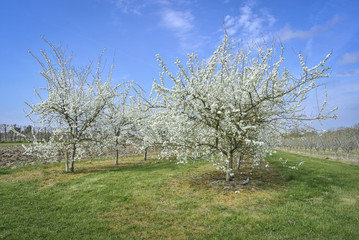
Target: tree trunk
x: 5, y: 133
x: 116, y: 160
x: 229, y: 173
x: 72, y: 168
x: 45, y: 137
x: 239, y: 161
x: 145, y: 157
x: 67, y: 161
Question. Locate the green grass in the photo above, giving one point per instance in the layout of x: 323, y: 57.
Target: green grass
x: 14, y: 143
x: 163, y: 200
x: 341, y: 155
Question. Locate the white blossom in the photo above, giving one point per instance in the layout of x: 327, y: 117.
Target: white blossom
x: 238, y: 101
x: 76, y: 98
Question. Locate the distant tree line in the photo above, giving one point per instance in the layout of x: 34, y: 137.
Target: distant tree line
x: 340, y: 140
x: 18, y: 133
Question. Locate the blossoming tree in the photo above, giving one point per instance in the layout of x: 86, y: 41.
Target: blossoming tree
x: 235, y: 102
x: 121, y: 118
x: 75, y: 99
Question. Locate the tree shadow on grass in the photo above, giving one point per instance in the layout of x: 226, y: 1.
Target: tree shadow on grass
x: 255, y: 179
x: 141, y: 165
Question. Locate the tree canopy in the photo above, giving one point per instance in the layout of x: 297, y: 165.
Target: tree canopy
x: 235, y: 102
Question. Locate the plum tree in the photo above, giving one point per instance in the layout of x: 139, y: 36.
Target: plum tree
x: 236, y: 101
x: 75, y: 98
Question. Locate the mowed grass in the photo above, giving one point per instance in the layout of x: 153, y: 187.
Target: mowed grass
x: 165, y: 200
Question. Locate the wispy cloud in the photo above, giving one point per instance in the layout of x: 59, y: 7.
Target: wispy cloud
x: 129, y: 6
x: 249, y: 25
x: 182, y: 24
x: 252, y: 24
x: 348, y: 73
x: 349, y: 58
x: 174, y: 15
x: 287, y: 33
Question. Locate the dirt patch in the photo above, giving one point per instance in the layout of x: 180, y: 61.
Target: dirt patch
x: 13, y: 155
x: 259, y: 178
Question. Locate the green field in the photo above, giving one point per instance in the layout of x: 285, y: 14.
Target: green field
x: 164, y: 200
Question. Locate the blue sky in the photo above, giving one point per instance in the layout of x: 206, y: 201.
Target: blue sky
x: 135, y: 31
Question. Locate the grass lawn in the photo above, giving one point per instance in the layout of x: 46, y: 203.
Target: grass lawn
x: 163, y: 200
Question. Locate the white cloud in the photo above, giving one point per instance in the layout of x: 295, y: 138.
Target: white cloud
x: 349, y: 58
x: 348, y: 73
x: 130, y: 6
x: 254, y: 24
x: 287, y: 33
x: 173, y: 15
x: 249, y: 25
x: 163, y: 2
x: 181, y: 22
